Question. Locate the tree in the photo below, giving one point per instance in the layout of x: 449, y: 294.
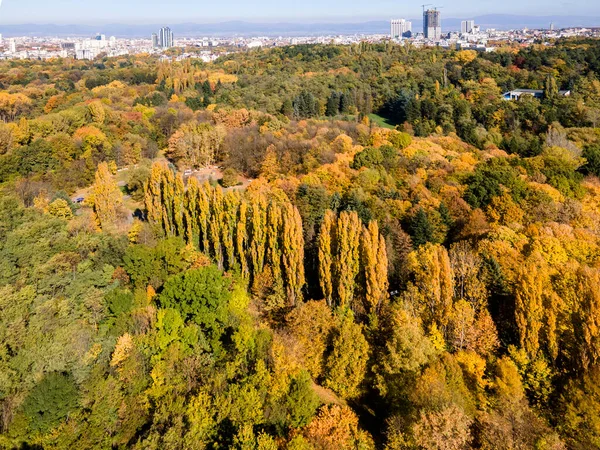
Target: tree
x: 374, y: 255
x: 347, y: 264
x: 60, y: 208
x: 447, y: 429
x: 293, y: 253
x: 106, y: 197
x: 326, y: 241
x: 580, y: 411
x: 201, y: 296
x: 420, y: 229
x: 336, y: 428
x: 50, y: 402
x: 347, y: 362
x: 529, y: 307
x: 434, y: 279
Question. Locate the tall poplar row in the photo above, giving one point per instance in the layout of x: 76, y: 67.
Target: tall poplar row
x: 350, y: 256
x: 245, y: 231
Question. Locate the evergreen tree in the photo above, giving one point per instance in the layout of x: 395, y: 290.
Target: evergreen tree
x: 420, y: 229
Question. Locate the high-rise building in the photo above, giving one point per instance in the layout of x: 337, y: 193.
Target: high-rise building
x: 12, y: 46
x: 400, y: 27
x: 432, y: 24
x: 154, y: 40
x: 165, y: 38
x: 467, y: 26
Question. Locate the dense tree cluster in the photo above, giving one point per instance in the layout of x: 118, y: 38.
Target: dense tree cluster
x: 308, y: 247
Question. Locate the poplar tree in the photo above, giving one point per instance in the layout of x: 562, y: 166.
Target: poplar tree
x: 293, y: 253
x: 231, y: 204
x: 216, y: 226
x: 106, y: 196
x: 347, y: 257
x: 374, y: 260
x: 168, y: 194
x: 178, y: 205
x: 241, y: 237
x: 203, y: 202
x: 529, y: 308
x: 258, y: 237
x: 153, y: 194
x: 589, y: 280
x: 274, y: 232
x: 191, y: 211
x: 326, y: 242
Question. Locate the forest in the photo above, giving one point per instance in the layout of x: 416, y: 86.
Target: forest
x: 302, y: 248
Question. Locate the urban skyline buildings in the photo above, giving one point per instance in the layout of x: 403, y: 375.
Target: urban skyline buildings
x: 400, y: 28
x: 432, y: 24
x: 466, y: 26
x: 164, y: 39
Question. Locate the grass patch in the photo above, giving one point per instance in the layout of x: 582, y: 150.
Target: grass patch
x: 381, y: 121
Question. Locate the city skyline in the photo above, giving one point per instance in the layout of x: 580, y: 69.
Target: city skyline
x: 179, y: 11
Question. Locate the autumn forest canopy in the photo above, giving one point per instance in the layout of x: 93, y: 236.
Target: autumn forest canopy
x: 303, y: 248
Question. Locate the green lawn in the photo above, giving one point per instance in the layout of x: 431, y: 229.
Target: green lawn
x: 382, y: 122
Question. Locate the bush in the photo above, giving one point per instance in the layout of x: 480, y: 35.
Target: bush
x: 230, y: 178
x: 399, y: 140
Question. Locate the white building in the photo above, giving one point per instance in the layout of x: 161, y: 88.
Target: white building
x: 467, y: 26
x: 399, y: 27
x: 12, y: 46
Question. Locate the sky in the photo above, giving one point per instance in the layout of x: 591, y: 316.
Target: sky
x: 204, y: 11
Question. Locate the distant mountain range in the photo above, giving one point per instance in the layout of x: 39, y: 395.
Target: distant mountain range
x: 239, y: 28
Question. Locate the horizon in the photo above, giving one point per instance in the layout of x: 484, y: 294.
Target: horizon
x: 72, y: 12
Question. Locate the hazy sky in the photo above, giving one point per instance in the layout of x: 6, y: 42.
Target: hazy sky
x: 178, y: 11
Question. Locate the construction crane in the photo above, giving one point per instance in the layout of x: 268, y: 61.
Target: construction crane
x: 423, y: 6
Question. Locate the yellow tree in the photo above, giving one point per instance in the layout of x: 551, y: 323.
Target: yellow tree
x: 216, y: 226
x: 347, y: 263
x: 153, y: 194
x: 374, y: 260
x: 178, y: 205
x: 231, y: 203
x: 191, y: 210
x: 168, y: 195
x: 258, y: 237
x: 241, y: 238
x: 106, y: 196
x: 274, y: 231
x: 589, y: 282
x: 529, y: 307
x: 293, y: 253
x: 434, y: 280
x: 326, y: 242
x: 203, y: 202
